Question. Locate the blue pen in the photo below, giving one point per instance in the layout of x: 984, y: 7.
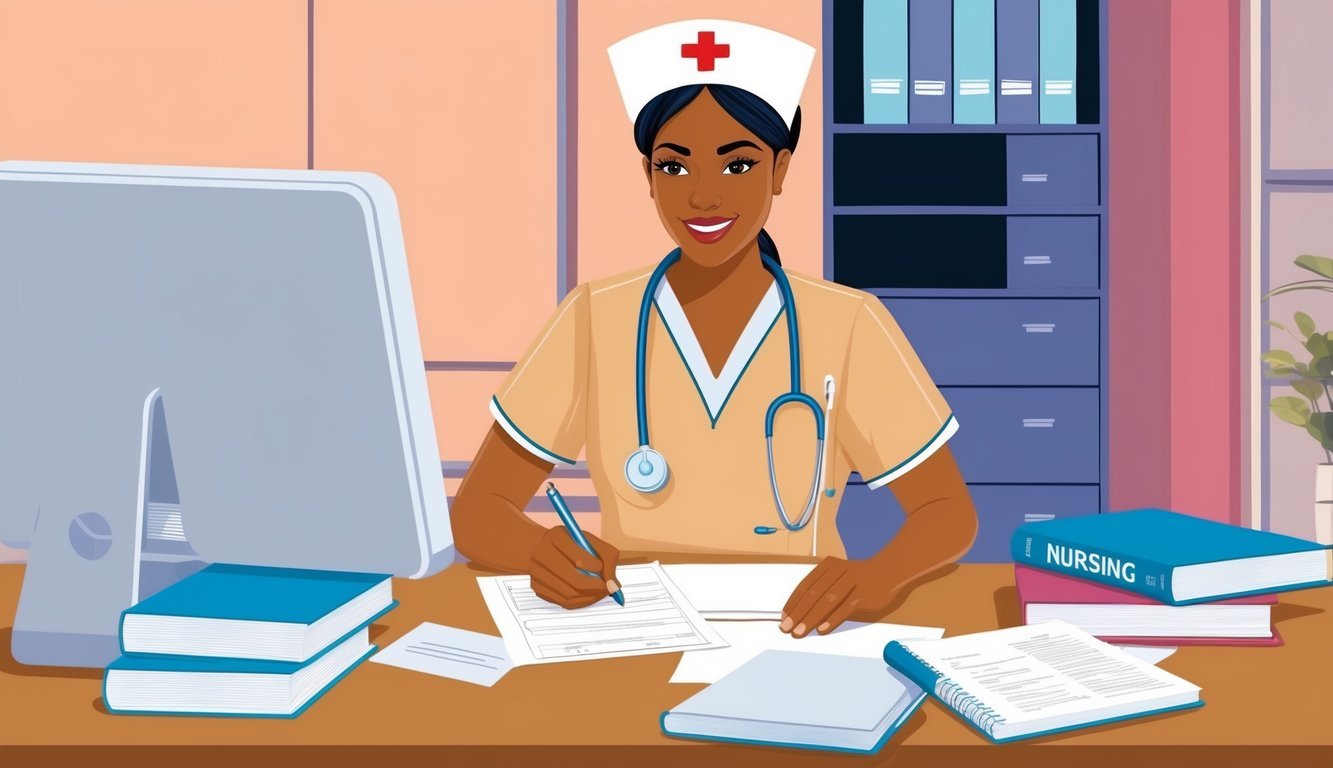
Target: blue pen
x: 575, y: 532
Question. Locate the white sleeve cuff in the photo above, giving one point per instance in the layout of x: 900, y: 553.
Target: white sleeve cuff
x: 513, y: 431
x: 947, y: 431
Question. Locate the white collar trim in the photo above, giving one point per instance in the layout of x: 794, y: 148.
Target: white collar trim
x: 716, y: 389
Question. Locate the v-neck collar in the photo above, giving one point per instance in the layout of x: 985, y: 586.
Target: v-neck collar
x: 715, y: 391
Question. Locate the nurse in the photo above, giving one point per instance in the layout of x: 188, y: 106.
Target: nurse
x: 671, y: 378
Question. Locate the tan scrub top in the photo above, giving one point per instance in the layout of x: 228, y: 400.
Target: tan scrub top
x: 574, y: 390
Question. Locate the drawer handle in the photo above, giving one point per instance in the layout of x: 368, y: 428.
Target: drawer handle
x: 1034, y: 178
x: 1038, y: 423
x: 1033, y: 260
x: 1033, y: 517
x: 1039, y: 327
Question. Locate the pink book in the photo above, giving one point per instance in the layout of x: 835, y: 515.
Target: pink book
x: 1119, y: 616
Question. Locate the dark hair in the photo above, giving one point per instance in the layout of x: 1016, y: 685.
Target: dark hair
x: 752, y: 112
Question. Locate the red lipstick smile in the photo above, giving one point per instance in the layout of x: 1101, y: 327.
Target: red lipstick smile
x: 709, y: 229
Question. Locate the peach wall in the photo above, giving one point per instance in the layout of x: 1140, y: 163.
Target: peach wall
x: 453, y: 102
x: 154, y: 81
x: 618, y: 228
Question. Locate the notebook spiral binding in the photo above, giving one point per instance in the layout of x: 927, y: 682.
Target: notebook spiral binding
x: 959, y: 700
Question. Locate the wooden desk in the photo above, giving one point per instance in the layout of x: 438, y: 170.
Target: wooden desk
x: 1265, y: 706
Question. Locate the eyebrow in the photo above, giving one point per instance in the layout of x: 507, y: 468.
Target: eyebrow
x: 675, y: 148
x: 725, y: 148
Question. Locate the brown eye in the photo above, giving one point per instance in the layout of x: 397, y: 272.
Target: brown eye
x: 740, y: 166
x: 671, y: 168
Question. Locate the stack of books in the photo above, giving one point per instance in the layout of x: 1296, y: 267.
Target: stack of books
x: 1154, y: 577
x: 239, y: 640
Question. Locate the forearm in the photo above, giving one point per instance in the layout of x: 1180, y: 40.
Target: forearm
x: 934, y: 534
x: 489, y: 525
x: 940, y: 525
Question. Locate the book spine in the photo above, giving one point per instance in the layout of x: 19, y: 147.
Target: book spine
x: 1146, y: 577
x: 948, y: 691
x: 1016, y: 61
x: 885, y: 52
x: 974, y: 61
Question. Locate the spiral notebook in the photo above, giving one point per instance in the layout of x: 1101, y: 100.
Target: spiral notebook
x: 1038, y: 679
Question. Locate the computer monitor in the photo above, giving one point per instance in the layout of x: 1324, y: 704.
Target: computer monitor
x: 264, y: 320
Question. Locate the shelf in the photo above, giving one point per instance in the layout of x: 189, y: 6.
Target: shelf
x: 984, y: 293
x: 1080, y: 128
x: 969, y: 210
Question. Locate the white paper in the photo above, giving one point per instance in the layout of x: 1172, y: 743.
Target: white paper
x: 449, y: 652
x: 738, y: 590
x: 656, y: 618
x: 1039, y: 677
x: 1153, y: 654
x: 747, y: 639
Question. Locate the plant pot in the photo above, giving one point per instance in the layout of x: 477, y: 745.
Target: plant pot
x: 1323, y: 503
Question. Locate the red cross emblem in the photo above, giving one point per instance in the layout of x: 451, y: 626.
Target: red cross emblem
x: 705, y: 51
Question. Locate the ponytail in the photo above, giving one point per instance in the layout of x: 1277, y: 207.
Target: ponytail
x: 767, y: 247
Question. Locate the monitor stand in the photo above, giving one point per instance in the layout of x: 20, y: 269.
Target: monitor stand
x: 101, y: 543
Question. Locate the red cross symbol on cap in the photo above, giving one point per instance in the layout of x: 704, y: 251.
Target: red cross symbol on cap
x: 705, y: 51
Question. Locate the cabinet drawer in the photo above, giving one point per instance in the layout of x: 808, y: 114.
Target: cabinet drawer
x: 867, y: 520
x: 1053, y: 251
x: 1027, y: 435
x: 1003, y: 341
x: 1052, y: 170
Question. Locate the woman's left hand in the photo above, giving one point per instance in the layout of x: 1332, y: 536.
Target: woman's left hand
x: 833, y: 591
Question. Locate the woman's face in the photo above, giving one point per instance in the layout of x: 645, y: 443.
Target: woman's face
x: 713, y: 181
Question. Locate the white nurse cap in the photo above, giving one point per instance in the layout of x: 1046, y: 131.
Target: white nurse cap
x: 768, y: 64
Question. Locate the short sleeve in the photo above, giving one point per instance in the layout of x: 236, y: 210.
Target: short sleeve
x: 895, y: 416
x: 542, y: 404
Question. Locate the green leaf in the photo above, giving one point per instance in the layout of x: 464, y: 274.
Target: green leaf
x: 1320, y: 265
x: 1304, y: 324
x: 1279, y: 357
x: 1275, y: 324
x: 1280, y: 373
x: 1320, y: 428
x: 1292, y: 410
x: 1311, y: 389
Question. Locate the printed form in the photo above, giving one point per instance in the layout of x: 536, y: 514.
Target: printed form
x: 656, y: 618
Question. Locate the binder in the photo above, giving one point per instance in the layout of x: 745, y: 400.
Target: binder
x: 930, y: 60
x: 1058, y: 61
x: 1016, y: 62
x: 974, y: 61
x: 885, y: 55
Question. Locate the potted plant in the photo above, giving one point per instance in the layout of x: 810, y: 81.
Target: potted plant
x: 1312, y: 378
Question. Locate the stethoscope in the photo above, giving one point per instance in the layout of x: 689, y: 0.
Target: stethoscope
x: 646, y: 469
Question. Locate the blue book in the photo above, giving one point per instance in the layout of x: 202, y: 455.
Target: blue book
x: 252, y: 612
x: 930, y: 60
x: 1016, y: 61
x: 801, y: 700
x: 1038, y: 680
x: 1174, y: 558
x: 974, y: 61
x: 885, y: 55
x: 1058, y: 61
x: 182, y: 685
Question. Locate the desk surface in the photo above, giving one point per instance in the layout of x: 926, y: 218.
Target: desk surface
x: 1262, y: 703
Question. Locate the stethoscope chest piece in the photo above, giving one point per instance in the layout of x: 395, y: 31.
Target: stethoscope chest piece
x: 646, y: 470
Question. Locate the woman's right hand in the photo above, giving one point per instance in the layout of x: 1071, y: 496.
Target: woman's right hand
x: 557, y: 567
